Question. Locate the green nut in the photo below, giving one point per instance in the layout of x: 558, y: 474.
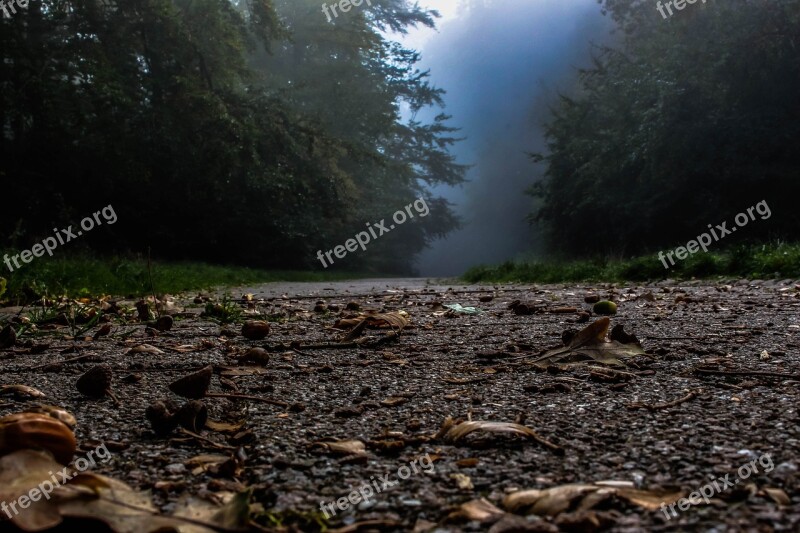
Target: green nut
x: 605, y: 308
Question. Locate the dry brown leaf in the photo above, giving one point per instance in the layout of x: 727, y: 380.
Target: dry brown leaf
x: 590, y: 346
x: 20, y: 472
x: 21, y: 392
x: 128, y: 511
x: 394, y: 401
x: 481, y: 510
x: 777, y: 495
x: 459, y: 431
x: 649, y: 499
x: 345, y: 447
x: 145, y: 348
x: 185, y: 348
x: 582, y: 497
x: 206, y: 459
x: 462, y: 481
x: 396, y: 321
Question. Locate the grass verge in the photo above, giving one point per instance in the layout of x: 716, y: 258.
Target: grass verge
x: 87, y: 276
x: 777, y: 260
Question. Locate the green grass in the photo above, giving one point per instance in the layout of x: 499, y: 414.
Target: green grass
x: 77, y: 276
x: 777, y: 260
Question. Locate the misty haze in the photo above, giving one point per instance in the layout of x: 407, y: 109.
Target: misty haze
x: 425, y: 266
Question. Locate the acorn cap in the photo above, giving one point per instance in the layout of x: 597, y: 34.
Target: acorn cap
x: 195, y: 385
x: 96, y: 382
x: 255, y: 329
x: 193, y: 415
x: 164, y: 323
x: 8, y: 337
x: 162, y: 417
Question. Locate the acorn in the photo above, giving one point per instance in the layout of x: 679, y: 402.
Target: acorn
x: 96, y: 383
x: 162, y: 417
x: 605, y: 307
x: 194, y: 385
x: 8, y: 337
x: 22, y: 431
x: 193, y: 415
x: 255, y: 355
x: 255, y: 329
x: 143, y: 311
x: 164, y: 323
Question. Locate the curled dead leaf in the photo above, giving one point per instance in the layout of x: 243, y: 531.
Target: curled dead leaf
x: 145, y: 348
x: 396, y: 321
x: 459, y: 431
x: 344, y: 447
x: 590, y: 346
x: 582, y: 497
x: 21, y: 392
x: 481, y: 510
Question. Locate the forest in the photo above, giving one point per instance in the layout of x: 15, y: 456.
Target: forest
x: 258, y: 132
x: 248, y: 132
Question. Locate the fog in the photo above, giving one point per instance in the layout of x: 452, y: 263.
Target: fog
x: 502, y: 62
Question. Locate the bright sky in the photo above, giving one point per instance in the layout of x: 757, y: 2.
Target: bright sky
x: 416, y: 39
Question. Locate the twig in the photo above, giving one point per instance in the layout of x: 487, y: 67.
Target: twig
x: 70, y: 360
x: 209, y: 441
x: 558, y: 450
x: 152, y: 287
x: 653, y: 407
x: 246, y: 397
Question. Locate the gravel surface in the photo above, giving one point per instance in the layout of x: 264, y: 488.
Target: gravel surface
x: 719, y: 389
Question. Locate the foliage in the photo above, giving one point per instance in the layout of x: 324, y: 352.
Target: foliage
x: 81, y: 276
x: 776, y: 260
x: 687, y: 122
x: 216, y: 130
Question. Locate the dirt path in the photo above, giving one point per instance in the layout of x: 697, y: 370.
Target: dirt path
x: 720, y: 389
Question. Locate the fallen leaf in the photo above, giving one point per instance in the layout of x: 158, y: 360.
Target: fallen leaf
x: 459, y: 431
x: 590, y: 346
x: 20, y: 472
x: 344, y: 447
x: 462, y: 481
x: 21, y: 392
x: 481, y: 510
x: 777, y: 495
x: 394, y: 401
x: 582, y: 497
x: 145, y: 348
x: 396, y: 321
